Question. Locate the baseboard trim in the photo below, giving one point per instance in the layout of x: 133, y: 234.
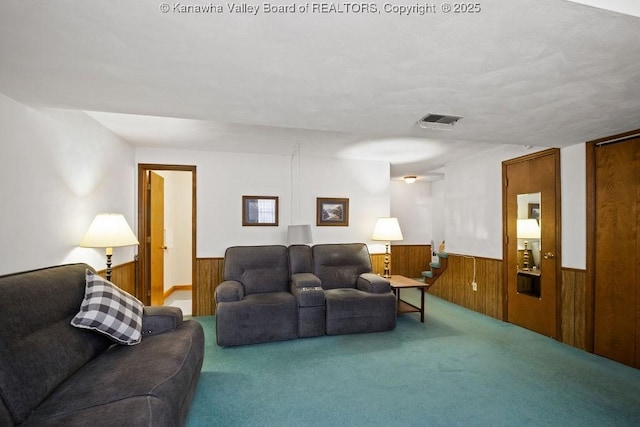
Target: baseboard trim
x: 176, y: 288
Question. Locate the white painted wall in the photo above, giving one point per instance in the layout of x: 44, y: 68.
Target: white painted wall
x: 574, y: 206
x: 59, y: 169
x: 412, y: 205
x: 177, y: 224
x: 438, y: 227
x: 223, y: 178
x: 472, y: 203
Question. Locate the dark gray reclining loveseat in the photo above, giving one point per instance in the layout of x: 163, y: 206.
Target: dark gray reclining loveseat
x: 52, y: 373
x: 273, y: 293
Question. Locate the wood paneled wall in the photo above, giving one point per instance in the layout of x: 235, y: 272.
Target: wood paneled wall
x: 407, y: 260
x: 575, y: 310
x: 377, y: 263
x: 410, y: 260
x: 208, y: 276
x: 124, y: 276
x: 454, y: 284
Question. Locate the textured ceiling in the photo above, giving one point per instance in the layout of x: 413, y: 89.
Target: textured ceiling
x: 547, y: 73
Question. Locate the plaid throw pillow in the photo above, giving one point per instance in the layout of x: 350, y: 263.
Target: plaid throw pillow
x: 110, y: 310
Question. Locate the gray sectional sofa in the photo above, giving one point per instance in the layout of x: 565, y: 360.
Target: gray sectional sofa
x: 55, y: 374
x: 273, y: 293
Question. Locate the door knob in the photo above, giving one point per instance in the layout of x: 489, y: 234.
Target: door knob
x: 549, y: 255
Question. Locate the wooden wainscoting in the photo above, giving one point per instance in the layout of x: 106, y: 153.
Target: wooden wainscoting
x: 208, y: 276
x: 407, y: 260
x: 454, y: 284
x: 410, y: 260
x: 377, y: 263
x: 575, y: 330
x: 123, y: 276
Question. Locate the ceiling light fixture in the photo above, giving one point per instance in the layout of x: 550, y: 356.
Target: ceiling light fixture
x: 410, y: 179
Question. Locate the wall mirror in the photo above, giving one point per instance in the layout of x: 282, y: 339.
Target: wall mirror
x: 259, y: 211
x: 528, y: 229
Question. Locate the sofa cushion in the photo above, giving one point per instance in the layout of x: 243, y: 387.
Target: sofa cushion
x: 143, y: 385
x: 300, y: 259
x: 265, y: 317
x: 340, y: 265
x: 259, y: 268
x: 36, y: 337
x: 110, y: 310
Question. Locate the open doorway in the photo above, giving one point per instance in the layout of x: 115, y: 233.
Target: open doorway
x: 167, y: 227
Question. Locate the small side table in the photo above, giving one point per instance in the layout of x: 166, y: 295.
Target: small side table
x: 399, y: 282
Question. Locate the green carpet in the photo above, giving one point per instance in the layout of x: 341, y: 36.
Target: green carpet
x: 458, y: 368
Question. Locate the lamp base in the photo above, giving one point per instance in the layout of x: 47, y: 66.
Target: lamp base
x: 387, y: 269
x: 108, y: 272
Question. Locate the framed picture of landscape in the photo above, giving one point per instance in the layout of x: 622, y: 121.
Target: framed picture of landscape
x: 332, y: 211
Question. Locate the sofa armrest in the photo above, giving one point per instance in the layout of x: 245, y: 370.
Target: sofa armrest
x: 157, y: 320
x: 373, y: 283
x: 229, y: 291
x: 305, y: 280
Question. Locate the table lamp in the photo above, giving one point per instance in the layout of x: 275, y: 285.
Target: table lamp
x: 299, y: 234
x: 387, y: 230
x: 108, y: 230
x: 527, y: 229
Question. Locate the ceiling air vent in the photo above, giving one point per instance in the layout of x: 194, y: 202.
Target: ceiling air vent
x: 438, y: 121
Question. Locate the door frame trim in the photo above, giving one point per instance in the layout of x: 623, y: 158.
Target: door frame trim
x: 558, y: 231
x: 144, y: 259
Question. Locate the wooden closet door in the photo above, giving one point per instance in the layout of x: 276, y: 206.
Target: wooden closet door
x: 617, y: 247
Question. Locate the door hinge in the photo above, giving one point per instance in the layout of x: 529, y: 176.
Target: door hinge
x: 506, y: 182
x: 148, y: 187
x: 148, y: 239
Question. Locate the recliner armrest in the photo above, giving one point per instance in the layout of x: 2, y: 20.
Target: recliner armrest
x: 370, y: 282
x: 307, y: 289
x: 229, y: 291
x: 158, y: 320
x: 305, y: 280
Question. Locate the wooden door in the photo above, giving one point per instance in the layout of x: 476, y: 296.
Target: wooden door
x: 532, y: 292
x: 617, y: 248
x: 156, y: 241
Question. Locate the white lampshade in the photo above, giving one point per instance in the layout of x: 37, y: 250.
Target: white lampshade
x: 108, y: 230
x: 387, y: 229
x: 410, y: 179
x: 528, y: 229
x: 299, y: 235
